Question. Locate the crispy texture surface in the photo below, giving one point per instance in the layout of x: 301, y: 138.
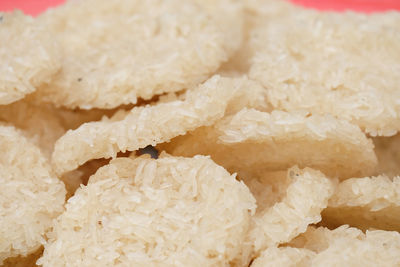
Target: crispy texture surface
x: 117, y: 51
x: 372, y: 202
x: 332, y: 63
x: 343, y: 246
x: 28, y: 56
x: 256, y: 12
x: 31, y: 196
x: 229, y: 17
x: 287, y: 202
x: 199, y: 133
x: 144, y: 126
x: 257, y: 142
x: 346, y: 246
x: 153, y: 212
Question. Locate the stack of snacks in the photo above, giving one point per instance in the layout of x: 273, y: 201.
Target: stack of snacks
x: 274, y: 132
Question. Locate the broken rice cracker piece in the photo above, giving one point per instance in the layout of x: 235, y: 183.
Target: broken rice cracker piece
x: 306, y: 196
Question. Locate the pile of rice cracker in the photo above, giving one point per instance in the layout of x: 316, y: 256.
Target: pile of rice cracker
x: 199, y: 133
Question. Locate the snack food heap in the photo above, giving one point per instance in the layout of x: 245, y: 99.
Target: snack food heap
x: 199, y: 133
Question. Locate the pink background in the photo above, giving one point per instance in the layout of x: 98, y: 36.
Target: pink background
x: 34, y: 7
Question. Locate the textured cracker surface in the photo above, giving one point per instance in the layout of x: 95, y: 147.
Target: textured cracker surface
x: 257, y: 142
x: 144, y: 126
x: 275, y: 109
x: 371, y: 202
x: 256, y: 12
x: 306, y: 196
x: 229, y: 18
x: 116, y: 51
x: 144, y: 211
x: 287, y: 202
x: 28, y: 56
x: 31, y: 196
x: 332, y: 63
x: 346, y: 246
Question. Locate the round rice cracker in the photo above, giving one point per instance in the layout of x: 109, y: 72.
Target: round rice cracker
x: 30, y: 196
x: 117, y: 51
x: 347, y: 246
x: 28, y: 56
x: 365, y: 203
x: 332, y: 63
x: 258, y: 142
x: 150, y: 125
x: 299, y: 197
x: 141, y: 212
